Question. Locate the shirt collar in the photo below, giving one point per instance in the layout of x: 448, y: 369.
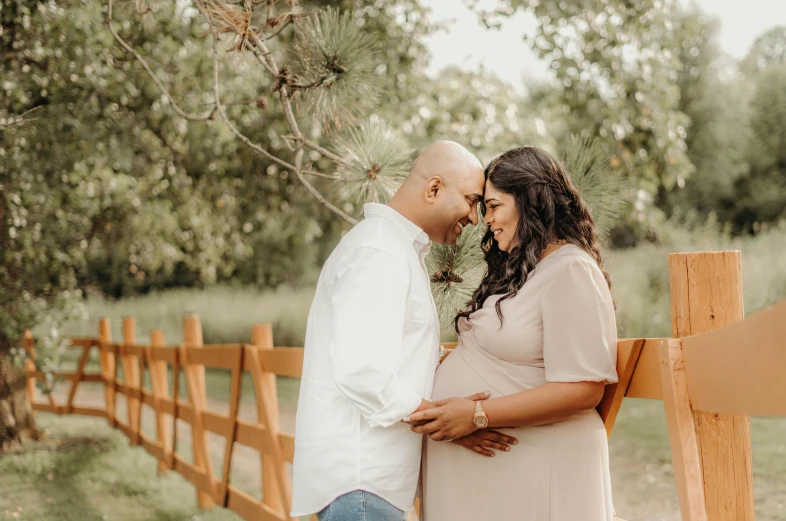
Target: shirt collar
x: 410, y: 230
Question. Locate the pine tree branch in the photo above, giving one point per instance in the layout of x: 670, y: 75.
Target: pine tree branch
x: 261, y: 56
x: 298, y: 166
x: 287, y: 104
x: 267, y: 60
x: 127, y: 47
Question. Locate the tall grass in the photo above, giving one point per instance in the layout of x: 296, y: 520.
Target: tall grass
x: 227, y: 314
x: 640, y: 276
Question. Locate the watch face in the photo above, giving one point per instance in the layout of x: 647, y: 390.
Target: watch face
x: 481, y: 421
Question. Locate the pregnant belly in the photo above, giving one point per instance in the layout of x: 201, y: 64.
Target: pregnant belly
x: 456, y: 378
x: 466, y: 371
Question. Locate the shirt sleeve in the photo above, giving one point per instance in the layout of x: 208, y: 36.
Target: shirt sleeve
x: 579, y: 328
x: 369, y: 301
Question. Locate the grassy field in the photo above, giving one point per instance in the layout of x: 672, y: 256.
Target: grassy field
x: 97, y: 476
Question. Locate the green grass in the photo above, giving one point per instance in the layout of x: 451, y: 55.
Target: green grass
x: 642, y: 475
x: 640, y: 277
x: 86, y: 471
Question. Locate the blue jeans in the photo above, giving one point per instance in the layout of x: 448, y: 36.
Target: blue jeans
x: 360, y: 505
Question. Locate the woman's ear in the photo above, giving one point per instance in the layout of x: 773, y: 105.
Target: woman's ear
x: 433, y: 186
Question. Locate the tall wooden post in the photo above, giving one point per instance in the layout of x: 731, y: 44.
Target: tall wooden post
x: 706, y: 293
x: 132, y: 378
x: 108, y: 370
x: 197, y: 393
x: 262, y: 338
x: 158, y: 378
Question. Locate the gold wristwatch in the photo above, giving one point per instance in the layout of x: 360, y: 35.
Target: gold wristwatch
x: 480, y: 419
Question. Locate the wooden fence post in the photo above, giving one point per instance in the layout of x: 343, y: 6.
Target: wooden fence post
x: 108, y: 368
x: 158, y: 378
x: 132, y: 379
x: 197, y: 392
x: 682, y: 433
x: 262, y: 338
x: 706, y: 293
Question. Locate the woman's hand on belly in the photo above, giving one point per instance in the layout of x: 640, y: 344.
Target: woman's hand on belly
x: 482, y: 440
x: 450, y: 420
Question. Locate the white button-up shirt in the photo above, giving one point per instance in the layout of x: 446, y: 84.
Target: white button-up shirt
x: 372, y: 346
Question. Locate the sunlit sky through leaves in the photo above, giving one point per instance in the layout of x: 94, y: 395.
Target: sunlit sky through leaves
x: 468, y: 44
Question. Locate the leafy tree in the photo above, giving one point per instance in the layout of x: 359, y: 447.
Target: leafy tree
x: 616, y: 71
x: 717, y: 137
x: 82, y: 178
x: 759, y: 196
x: 768, y: 49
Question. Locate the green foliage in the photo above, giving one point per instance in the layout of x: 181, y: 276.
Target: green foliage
x: 760, y: 196
x: 718, y: 134
x: 615, y: 78
x: 336, y: 61
x: 377, y: 158
x: 768, y: 49
x: 97, y: 183
x: 600, y: 186
x: 456, y: 272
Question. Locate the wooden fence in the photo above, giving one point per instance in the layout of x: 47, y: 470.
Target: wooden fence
x: 163, y: 362
x: 718, y: 370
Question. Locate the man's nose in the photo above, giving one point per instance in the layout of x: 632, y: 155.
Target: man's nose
x: 473, y: 216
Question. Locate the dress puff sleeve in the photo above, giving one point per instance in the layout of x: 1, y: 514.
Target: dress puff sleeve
x: 579, y: 328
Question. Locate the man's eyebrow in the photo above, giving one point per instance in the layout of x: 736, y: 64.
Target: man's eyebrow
x: 475, y: 197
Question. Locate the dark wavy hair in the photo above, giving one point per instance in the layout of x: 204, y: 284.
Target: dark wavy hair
x: 550, y: 209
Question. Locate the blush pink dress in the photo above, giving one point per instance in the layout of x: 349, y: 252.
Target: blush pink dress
x: 560, y: 327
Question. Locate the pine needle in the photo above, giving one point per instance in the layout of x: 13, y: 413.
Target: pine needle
x: 456, y: 272
x: 334, y: 59
x: 600, y: 186
x: 378, y: 160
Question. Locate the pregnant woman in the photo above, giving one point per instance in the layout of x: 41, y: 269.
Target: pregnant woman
x: 539, y: 335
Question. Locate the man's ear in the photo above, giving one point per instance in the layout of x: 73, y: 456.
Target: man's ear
x: 433, y: 186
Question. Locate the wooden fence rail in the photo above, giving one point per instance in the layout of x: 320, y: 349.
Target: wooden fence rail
x: 709, y: 381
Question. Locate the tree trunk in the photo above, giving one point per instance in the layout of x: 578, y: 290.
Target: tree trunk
x: 16, y: 414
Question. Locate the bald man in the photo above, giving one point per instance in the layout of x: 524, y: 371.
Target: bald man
x: 372, y: 346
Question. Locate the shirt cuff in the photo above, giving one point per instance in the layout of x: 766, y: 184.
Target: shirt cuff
x: 402, y: 401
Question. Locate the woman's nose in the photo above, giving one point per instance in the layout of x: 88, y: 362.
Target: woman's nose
x: 487, y: 219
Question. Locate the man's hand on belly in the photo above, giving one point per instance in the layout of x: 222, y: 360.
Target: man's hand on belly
x: 482, y: 440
